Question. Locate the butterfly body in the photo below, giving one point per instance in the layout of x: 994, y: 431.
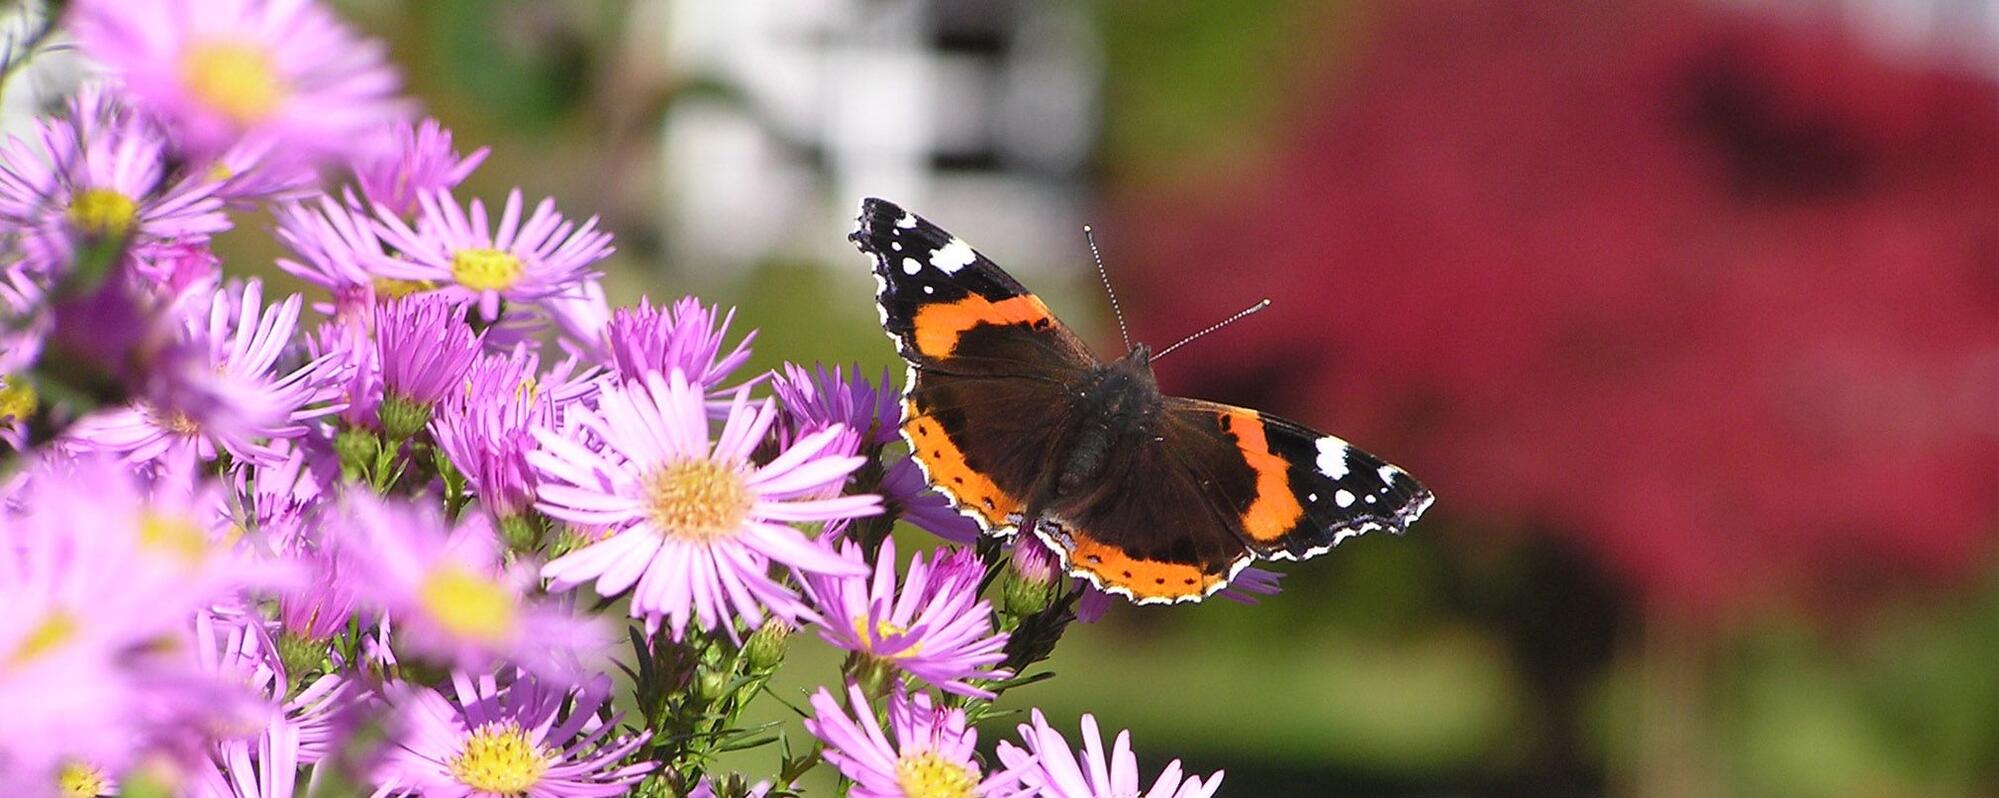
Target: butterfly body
x: 1150, y: 496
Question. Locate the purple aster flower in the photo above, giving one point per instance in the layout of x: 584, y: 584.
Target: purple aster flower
x: 99, y: 173
x: 523, y: 261
x: 425, y: 347
x: 908, y: 495
x: 815, y: 399
x: 283, y: 73
x: 418, y: 160
x: 1048, y: 768
x: 264, y: 767
x: 258, y: 170
x: 485, y: 428
x: 219, y: 389
x: 177, y: 267
x: 339, y: 251
x: 933, y: 754
x: 935, y: 627
x: 450, y: 595
x: 241, y: 652
x: 521, y: 739
x: 94, y: 573
x: 349, y: 352
x: 692, y: 524
x: 683, y: 337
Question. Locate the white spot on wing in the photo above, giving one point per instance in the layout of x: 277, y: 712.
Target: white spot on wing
x: 931, y: 289
x: 908, y: 220
x: 910, y: 266
x: 1332, y: 457
x: 953, y: 256
x: 1370, y: 499
x: 1343, y: 498
x: 1387, y: 473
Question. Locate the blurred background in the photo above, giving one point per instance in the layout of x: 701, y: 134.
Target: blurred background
x: 1688, y: 311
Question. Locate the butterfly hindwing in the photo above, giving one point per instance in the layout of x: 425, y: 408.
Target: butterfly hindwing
x: 1146, y: 529
x: 1294, y: 493
x: 980, y: 347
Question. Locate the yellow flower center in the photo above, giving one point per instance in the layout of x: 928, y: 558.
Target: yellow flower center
x: 17, y: 398
x: 173, y: 534
x: 485, y: 269
x: 55, y: 630
x: 469, y: 605
x: 387, y: 288
x: 499, y: 758
x: 884, y: 631
x: 699, y: 500
x: 103, y: 212
x: 78, y: 780
x: 219, y: 172
x: 235, y: 80
x: 927, y: 775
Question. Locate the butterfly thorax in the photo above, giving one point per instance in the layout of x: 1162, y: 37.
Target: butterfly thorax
x: 1116, y: 408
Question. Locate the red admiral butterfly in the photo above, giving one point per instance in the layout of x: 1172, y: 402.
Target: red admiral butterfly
x: 1152, y: 497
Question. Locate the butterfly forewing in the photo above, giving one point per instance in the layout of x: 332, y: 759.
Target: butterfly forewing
x: 980, y: 349
x: 1302, y: 491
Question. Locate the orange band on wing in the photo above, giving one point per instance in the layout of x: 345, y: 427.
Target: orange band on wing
x: 1146, y: 579
x: 948, y: 469
x: 938, y: 326
x: 1276, y: 510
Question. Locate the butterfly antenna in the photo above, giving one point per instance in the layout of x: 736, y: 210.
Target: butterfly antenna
x: 1091, y: 236
x: 1248, y: 311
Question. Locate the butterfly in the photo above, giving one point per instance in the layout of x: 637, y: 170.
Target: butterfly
x: 1152, y: 497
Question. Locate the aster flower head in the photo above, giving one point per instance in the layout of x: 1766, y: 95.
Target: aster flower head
x: 692, y: 523
x: 99, y: 173
x: 95, y: 572
x: 521, y: 738
x: 908, y: 495
x: 521, y: 261
x: 424, y: 347
x: 338, y: 250
x: 282, y: 73
x: 417, y: 160
x: 813, y: 399
x: 263, y: 767
x: 933, y: 754
x: 219, y: 388
x: 1047, y: 767
x: 485, y: 427
x: 684, y: 337
x: 934, y: 627
x: 449, y: 594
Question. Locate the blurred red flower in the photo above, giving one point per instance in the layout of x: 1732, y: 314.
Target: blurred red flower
x: 1717, y: 294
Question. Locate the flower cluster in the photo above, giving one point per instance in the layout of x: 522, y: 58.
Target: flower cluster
x: 250, y: 543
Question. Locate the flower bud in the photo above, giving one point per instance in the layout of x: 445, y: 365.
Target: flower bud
x: 520, y: 533
x: 710, y: 686
x: 765, y: 649
x: 357, y: 449
x: 402, y: 418
x: 1029, y: 584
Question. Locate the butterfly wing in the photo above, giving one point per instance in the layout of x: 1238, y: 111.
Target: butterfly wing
x: 1215, y: 488
x: 989, y: 365
x: 1147, y: 529
x: 1299, y: 492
